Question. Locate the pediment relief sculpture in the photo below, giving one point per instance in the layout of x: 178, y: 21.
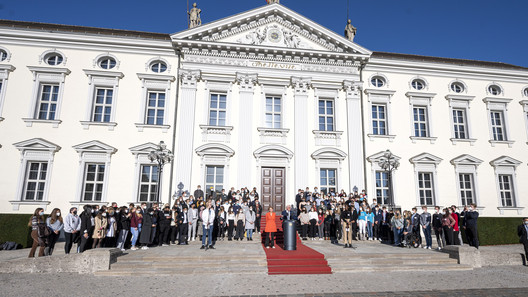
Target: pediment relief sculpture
x: 273, y: 35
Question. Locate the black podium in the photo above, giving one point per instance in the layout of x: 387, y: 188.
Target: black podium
x: 290, y: 235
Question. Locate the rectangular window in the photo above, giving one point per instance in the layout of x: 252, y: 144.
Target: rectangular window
x: 102, y: 107
x: 467, y: 192
x: 93, y: 182
x: 328, y: 181
x: 217, y: 110
x: 379, y: 120
x: 506, y: 190
x: 326, y: 115
x: 420, y: 121
x: 148, y: 183
x: 382, y: 187
x: 47, y: 102
x: 459, y: 123
x: 214, y: 178
x: 35, y: 181
x: 155, y: 108
x: 425, y: 188
x: 273, y: 112
x: 497, y: 125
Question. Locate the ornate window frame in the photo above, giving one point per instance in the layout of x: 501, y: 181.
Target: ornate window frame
x: 380, y: 97
x: 508, y: 166
x: 217, y: 133
x: 214, y: 154
x: 92, y: 152
x: 46, y: 54
x: 418, y: 78
x: 457, y: 81
x: 154, y: 82
x: 8, y: 54
x: 4, y: 76
x: 99, y: 58
x: 327, y: 137
x: 498, y: 104
x: 43, y: 75
x: 461, y: 102
x: 467, y: 164
x: 427, y: 163
x: 150, y: 62
x: 273, y: 135
x: 419, y: 99
x: 382, y: 77
x: 329, y: 158
x: 140, y: 153
x: 374, y: 167
x: 35, y: 149
x: 501, y: 89
x: 104, y: 79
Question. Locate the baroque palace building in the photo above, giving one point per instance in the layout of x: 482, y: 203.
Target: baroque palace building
x: 266, y: 98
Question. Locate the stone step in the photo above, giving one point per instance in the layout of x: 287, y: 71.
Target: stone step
x: 173, y: 264
x: 397, y: 268
x: 200, y: 258
x: 391, y: 262
x: 183, y: 270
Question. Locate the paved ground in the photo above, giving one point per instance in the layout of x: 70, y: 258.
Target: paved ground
x: 490, y: 281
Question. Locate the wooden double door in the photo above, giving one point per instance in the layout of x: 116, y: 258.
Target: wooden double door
x: 273, y: 188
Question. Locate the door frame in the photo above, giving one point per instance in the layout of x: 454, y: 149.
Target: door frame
x: 285, y: 195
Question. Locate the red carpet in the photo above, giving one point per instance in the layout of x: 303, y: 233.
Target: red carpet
x: 304, y: 260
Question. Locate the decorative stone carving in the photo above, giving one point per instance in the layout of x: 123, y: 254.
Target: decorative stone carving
x: 194, y: 17
x: 189, y: 78
x: 350, y: 31
x: 301, y: 85
x: 352, y: 89
x: 246, y: 81
x: 273, y: 1
x: 273, y: 35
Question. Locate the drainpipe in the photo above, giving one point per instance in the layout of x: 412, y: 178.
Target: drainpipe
x: 180, y: 56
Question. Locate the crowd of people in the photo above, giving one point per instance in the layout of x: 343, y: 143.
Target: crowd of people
x: 236, y: 215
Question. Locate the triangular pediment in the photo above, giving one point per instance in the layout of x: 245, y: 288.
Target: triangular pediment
x: 466, y: 160
x: 377, y: 156
x: 143, y: 148
x: 95, y: 146
x: 425, y: 158
x: 37, y: 144
x: 272, y: 26
x: 505, y: 161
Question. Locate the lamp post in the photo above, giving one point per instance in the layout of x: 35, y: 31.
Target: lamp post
x: 161, y: 156
x: 389, y: 163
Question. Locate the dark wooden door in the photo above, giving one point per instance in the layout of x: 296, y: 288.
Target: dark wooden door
x: 273, y: 188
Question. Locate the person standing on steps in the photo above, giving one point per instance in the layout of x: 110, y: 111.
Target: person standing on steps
x: 35, y: 222
x: 72, y: 226
x: 208, y: 216
x: 425, y: 223
x: 86, y: 226
x: 522, y: 232
x: 250, y: 223
x: 346, y: 217
x: 270, y: 229
x: 470, y: 225
x: 55, y: 224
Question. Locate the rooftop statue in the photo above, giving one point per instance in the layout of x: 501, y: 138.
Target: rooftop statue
x: 272, y: 1
x: 350, y: 31
x: 194, y: 17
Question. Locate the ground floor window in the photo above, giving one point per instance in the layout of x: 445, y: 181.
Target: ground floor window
x: 466, y: 188
x: 35, y: 181
x: 327, y: 181
x: 148, y: 183
x: 382, y: 187
x: 214, y: 178
x: 426, y: 188
x: 93, y: 182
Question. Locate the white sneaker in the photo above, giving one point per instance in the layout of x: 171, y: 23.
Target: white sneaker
x: 428, y: 247
x: 145, y: 248
x: 122, y: 250
x: 424, y: 247
x: 134, y: 248
x: 164, y: 245
x: 439, y: 248
x: 193, y: 239
x: 320, y: 238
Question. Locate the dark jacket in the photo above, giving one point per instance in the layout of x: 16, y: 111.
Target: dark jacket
x: 437, y: 220
x: 181, y: 217
x: 164, y: 219
x: 284, y: 216
x: 146, y: 230
x: 521, y: 231
x: 378, y: 216
x: 123, y: 222
x: 86, y: 223
x: 470, y: 219
x: 198, y: 193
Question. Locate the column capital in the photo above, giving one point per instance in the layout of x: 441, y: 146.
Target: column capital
x: 189, y: 78
x: 246, y: 81
x: 301, y: 85
x: 352, y: 88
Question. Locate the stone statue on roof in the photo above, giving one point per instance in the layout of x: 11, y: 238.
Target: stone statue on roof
x: 194, y: 17
x: 272, y: 1
x: 350, y: 31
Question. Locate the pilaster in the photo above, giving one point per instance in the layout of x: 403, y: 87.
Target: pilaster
x: 246, y: 83
x: 355, y: 134
x: 301, y: 87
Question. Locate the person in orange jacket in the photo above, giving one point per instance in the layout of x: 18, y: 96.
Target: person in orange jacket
x: 271, y: 228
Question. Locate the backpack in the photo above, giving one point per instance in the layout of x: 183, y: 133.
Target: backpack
x: 9, y: 245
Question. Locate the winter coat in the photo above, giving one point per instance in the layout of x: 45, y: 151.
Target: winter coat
x: 146, y: 230
x: 250, y: 220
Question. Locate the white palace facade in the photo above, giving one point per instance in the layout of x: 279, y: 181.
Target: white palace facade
x: 266, y: 98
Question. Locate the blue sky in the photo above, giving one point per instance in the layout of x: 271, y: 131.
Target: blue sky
x: 489, y: 30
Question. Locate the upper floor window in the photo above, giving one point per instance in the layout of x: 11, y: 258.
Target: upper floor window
x: 47, y: 102
x: 107, y: 63
x: 377, y: 81
x: 217, y: 110
x: 497, y: 125
x: 418, y: 84
x: 326, y: 115
x: 273, y: 112
x: 158, y: 67
x: 420, y: 121
x: 102, y: 105
x: 379, y: 119
x: 460, y: 123
x: 53, y: 59
x: 494, y: 90
x: 457, y: 87
x: 3, y: 55
x: 155, y: 108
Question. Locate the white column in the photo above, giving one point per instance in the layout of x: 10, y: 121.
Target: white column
x: 246, y: 84
x: 185, y: 141
x: 301, y: 85
x: 355, y: 134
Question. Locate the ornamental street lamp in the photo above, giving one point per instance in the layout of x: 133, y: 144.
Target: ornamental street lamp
x: 389, y: 163
x: 161, y: 156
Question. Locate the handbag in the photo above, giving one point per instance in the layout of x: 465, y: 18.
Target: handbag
x: 43, y: 230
